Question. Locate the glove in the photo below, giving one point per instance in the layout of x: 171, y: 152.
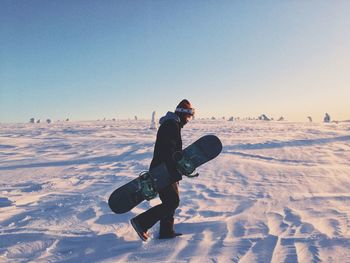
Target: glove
x: 183, y: 165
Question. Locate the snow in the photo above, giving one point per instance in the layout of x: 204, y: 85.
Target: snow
x: 279, y: 192
x: 154, y: 124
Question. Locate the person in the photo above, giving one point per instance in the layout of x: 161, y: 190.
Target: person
x: 168, y: 142
x: 327, y: 118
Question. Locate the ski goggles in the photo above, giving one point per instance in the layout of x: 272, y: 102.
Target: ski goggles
x: 187, y: 111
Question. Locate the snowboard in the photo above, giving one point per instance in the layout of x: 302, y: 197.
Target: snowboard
x: 149, y: 183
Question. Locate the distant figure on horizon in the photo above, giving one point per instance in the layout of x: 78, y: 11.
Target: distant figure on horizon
x: 153, y: 121
x: 167, y: 143
x: 327, y: 118
x: 310, y: 119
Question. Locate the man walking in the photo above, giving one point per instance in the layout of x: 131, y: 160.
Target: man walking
x: 167, y: 143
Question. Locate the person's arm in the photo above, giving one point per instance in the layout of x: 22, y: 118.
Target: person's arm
x: 170, y: 139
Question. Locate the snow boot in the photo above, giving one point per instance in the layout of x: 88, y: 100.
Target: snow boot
x: 139, y: 230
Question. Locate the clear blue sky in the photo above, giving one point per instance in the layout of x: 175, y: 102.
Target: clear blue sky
x: 117, y: 59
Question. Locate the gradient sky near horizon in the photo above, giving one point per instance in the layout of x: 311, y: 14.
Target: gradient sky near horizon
x: 116, y: 59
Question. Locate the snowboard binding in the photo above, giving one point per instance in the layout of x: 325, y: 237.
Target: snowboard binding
x: 146, y: 185
x: 184, y: 165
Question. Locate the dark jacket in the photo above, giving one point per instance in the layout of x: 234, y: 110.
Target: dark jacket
x: 168, y: 141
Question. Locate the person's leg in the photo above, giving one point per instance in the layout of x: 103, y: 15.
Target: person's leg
x: 166, y: 226
x: 167, y: 222
x: 170, y: 201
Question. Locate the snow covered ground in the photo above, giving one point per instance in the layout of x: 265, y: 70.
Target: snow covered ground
x: 279, y: 192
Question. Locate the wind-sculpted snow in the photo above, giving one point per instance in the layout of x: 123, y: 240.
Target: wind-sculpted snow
x: 279, y: 192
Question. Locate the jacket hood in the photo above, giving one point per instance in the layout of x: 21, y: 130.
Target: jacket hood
x: 169, y: 116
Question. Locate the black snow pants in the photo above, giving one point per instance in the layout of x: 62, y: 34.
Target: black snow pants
x: 163, y: 212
